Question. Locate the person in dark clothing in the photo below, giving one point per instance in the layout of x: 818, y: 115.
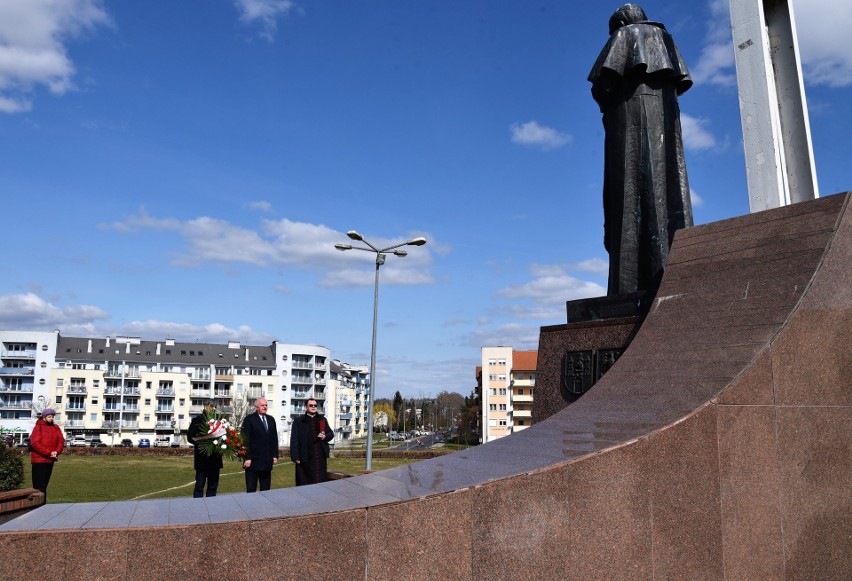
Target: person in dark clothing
x: 46, y: 444
x: 309, y: 446
x: 262, y: 435
x: 207, y: 466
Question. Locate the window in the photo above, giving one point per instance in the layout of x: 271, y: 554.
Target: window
x: 502, y: 422
x: 147, y: 401
x: 492, y: 377
x: 520, y: 391
x: 182, y: 352
x: 502, y: 391
x: 492, y: 407
x: 182, y: 402
x: 93, y: 417
x: 492, y: 391
x: 520, y: 422
x: 501, y: 362
x: 96, y: 383
x: 492, y: 362
x: 502, y: 407
x: 147, y: 417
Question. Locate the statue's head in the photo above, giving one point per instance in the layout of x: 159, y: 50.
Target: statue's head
x: 627, y: 14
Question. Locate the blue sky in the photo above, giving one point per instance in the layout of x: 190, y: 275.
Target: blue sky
x: 183, y: 168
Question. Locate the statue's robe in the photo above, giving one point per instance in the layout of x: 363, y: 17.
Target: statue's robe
x: 636, y: 82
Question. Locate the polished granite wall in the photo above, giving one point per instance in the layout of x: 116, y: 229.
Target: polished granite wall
x: 717, y: 447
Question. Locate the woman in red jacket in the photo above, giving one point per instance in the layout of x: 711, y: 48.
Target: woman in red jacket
x: 46, y: 443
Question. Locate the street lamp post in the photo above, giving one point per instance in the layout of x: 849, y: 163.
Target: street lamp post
x: 380, y: 260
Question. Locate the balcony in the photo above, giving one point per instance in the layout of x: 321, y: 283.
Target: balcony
x: 521, y: 413
x: 163, y: 424
x: 522, y: 398
x: 346, y: 416
x: 78, y: 388
x: 302, y: 365
x: 17, y: 370
x: 119, y: 408
x: 164, y: 410
x: 115, y: 424
x: 199, y: 393
x: 17, y: 389
x: 346, y: 429
x: 75, y: 407
x: 73, y: 423
x: 222, y: 393
x: 16, y: 405
x: 26, y: 354
x: 165, y: 392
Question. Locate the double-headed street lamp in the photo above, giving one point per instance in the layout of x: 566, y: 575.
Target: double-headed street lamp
x: 380, y: 260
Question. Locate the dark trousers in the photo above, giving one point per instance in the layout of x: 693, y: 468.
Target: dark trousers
x: 264, y: 477
x: 212, y: 478
x: 41, y: 476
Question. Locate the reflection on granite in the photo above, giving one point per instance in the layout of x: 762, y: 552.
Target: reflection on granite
x: 728, y: 415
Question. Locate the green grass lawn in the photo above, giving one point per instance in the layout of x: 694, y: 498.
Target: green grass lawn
x: 102, y: 478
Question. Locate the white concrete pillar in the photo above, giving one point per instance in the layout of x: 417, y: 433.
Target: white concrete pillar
x: 776, y: 132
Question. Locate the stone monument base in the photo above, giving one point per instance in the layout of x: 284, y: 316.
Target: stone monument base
x: 572, y: 357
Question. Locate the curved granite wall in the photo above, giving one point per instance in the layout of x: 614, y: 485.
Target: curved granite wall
x: 716, y: 447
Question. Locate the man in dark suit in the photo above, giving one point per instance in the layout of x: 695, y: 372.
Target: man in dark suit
x: 262, y: 435
x: 207, y: 466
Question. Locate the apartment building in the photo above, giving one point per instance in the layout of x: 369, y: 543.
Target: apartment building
x: 304, y: 371
x: 127, y: 387
x: 26, y: 360
x: 351, y: 388
x: 506, y: 381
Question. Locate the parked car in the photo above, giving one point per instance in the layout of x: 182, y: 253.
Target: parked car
x: 175, y: 444
x: 395, y: 437
x: 144, y: 443
x: 97, y: 443
x: 25, y: 443
x: 125, y: 443
x: 79, y: 442
x: 162, y: 443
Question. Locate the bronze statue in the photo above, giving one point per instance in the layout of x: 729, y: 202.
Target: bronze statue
x: 636, y: 82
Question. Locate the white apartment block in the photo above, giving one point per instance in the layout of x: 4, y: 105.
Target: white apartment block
x: 26, y: 361
x: 506, y: 382
x: 127, y: 387
x: 347, y: 412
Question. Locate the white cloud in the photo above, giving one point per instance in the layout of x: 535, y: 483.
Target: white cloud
x: 284, y: 243
x: 210, y: 333
x: 716, y: 63
x: 30, y: 311
x: 33, y: 37
x: 264, y: 13
x: 260, y: 205
x: 697, y: 201
x: 531, y: 134
x: 518, y: 336
x: 695, y: 134
x: 550, y: 288
x: 594, y: 265
x: 823, y: 31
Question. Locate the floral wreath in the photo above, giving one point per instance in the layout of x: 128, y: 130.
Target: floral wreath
x: 216, y: 437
